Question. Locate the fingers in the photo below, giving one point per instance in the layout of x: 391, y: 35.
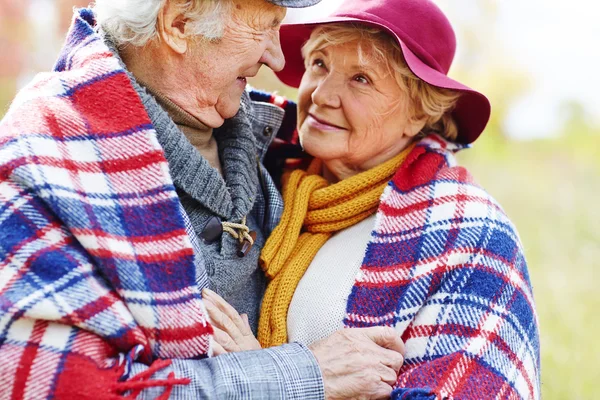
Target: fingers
x: 231, y: 336
x: 382, y: 391
x: 225, y: 341
x: 386, y: 337
x: 354, y: 365
x: 217, y: 348
x: 388, y: 346
x: 246, y: 321
x: 387, y: 374
x: 228, y: 310
x: 221, y: 320
x: 390, y: 358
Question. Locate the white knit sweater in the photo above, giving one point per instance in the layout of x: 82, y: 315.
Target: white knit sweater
x: 319, y: 303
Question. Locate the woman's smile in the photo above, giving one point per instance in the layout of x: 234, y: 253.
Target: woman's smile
x: 351, y: 111
x: 321, y: 124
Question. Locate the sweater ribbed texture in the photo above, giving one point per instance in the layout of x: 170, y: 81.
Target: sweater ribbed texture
x: 318, y: 307
x: 196, y: 132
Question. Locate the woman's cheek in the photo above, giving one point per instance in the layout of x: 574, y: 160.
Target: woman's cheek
x: 364, y: 142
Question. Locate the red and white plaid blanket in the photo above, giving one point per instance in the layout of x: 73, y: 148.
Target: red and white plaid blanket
x: 96, y: 268
x: 446, y: 268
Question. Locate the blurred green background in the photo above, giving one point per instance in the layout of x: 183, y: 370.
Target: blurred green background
x: 546, y: 175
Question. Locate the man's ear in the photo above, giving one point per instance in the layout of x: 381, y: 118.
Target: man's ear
x: 171, y: 26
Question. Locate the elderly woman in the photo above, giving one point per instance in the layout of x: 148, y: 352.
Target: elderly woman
x: 130, y: 179
x: 383, y: 228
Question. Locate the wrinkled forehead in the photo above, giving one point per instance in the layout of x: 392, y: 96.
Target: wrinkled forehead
x: 259, y: 13
x: 367, y: 48
x: 369, y: 40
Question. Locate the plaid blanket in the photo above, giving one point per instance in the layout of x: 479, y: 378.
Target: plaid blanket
x: 96, y: 268
x: 446, y: 268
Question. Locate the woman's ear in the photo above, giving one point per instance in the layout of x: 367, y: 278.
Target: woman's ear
x: 415, y: 126
x: 171, y: 26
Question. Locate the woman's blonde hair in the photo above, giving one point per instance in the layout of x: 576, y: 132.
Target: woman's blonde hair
x: 426, y: 102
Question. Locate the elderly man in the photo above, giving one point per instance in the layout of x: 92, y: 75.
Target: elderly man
x: 131, y: 179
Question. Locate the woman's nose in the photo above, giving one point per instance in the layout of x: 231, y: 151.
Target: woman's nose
x: 327, y: 92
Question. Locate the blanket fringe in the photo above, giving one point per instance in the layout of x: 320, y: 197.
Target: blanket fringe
x: 142, y: 381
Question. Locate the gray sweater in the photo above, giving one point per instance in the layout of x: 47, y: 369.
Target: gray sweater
x: 204, y: 193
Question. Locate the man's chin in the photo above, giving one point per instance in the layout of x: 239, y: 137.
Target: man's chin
x: 228, y: 111
x: 211, y: 119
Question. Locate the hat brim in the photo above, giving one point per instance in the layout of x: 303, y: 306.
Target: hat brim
x: 472, y: 111
x: 294, y: 3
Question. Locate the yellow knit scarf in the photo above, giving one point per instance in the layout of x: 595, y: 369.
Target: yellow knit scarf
x: 313, y: 211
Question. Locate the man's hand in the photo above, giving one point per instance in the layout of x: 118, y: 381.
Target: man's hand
x: 359, y: 363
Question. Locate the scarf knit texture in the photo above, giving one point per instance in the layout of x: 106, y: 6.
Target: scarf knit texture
x: 313, y: 211
x: 96, y: 268
x: 445, y: 268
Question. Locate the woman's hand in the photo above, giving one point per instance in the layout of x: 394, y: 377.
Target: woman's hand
x: 232, y: 330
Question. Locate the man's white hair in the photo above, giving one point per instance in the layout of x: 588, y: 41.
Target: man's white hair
x: 134, y: 21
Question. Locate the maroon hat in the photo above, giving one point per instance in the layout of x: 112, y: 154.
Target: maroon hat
x: 427, y: 41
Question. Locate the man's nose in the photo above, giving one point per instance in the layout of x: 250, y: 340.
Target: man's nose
x: 273, y: 55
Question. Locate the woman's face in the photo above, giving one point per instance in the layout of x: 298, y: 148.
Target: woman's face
x: 351, y: 115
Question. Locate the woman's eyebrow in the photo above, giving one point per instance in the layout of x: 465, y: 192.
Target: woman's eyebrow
x: 323, y: 51
x: 318, y: 52
x: 375, y: 72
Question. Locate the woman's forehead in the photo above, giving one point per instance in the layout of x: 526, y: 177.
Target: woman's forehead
x: 359, y: 55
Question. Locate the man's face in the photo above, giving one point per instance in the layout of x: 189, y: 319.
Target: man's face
x: 251, y: 39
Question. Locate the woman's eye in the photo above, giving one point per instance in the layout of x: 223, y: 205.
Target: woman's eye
x: 317, y: 62
x: 361, y: 79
